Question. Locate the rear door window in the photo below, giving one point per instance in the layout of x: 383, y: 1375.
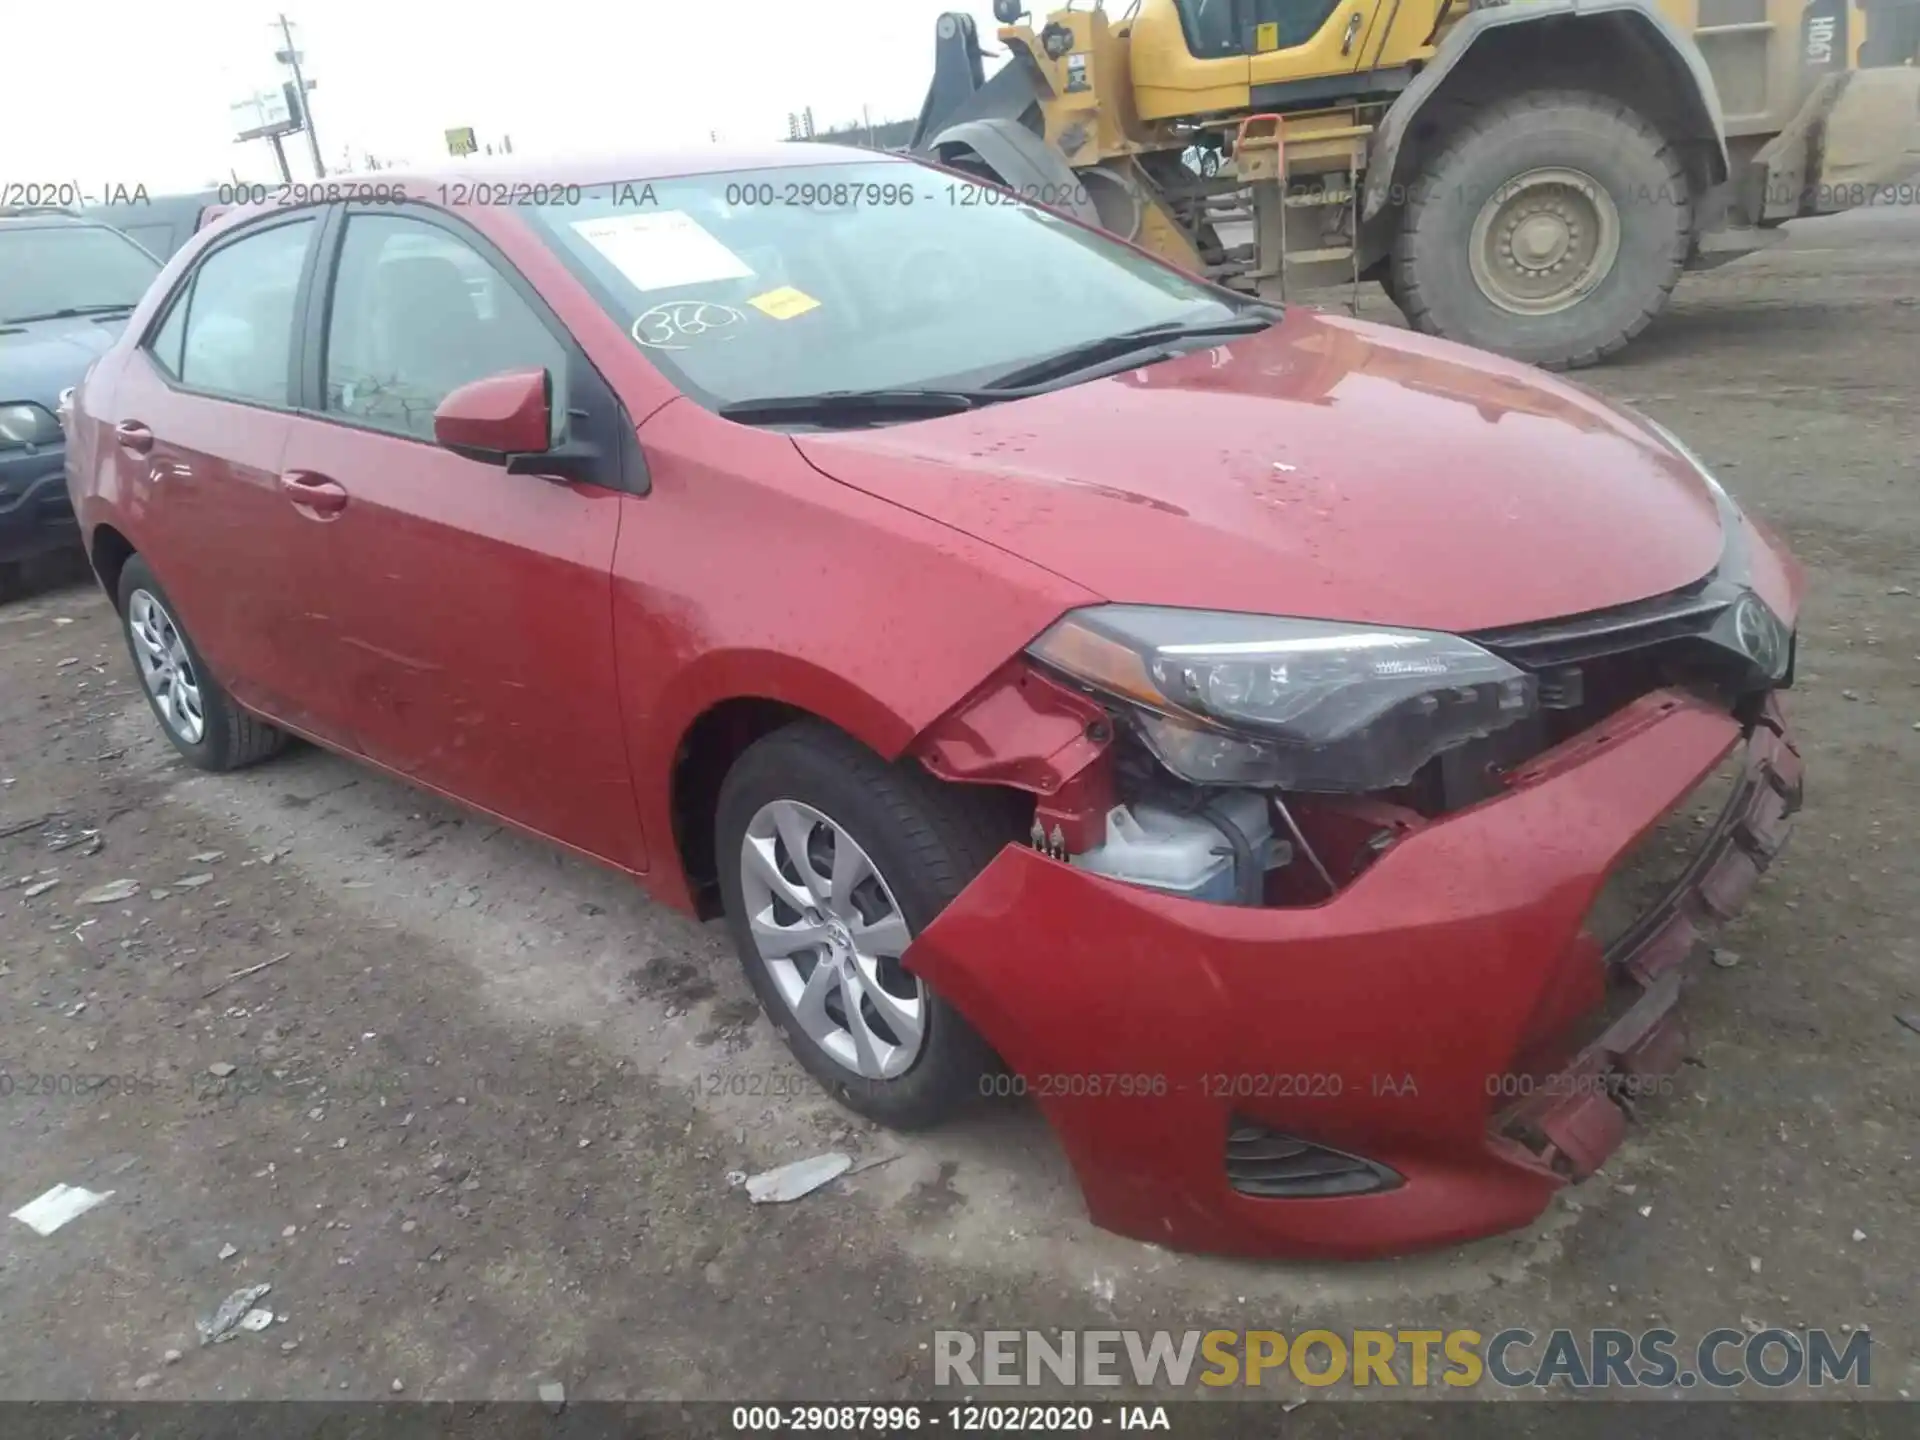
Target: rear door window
x: 238, y: 338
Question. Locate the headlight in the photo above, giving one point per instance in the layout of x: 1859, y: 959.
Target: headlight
x: 1228, y: 699
x: 24, y: 423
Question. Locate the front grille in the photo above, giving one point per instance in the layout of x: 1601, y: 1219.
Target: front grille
x: 1592, y: 666
x: 1271, y: 1165
x: 1680, y: 615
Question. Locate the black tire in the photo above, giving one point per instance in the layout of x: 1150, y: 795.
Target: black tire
x: 1626, y: 155
x: 928, y: 841
x: 231, y: 737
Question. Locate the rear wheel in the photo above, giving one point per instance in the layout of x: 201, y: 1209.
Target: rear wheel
x: 1551, y: 228
x: 197, y: 716
x: 831, y: 861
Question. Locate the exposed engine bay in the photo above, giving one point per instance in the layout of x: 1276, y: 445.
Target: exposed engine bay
x: 1124, y: 793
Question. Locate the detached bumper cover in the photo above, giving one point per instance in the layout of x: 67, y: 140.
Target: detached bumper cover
x: 1388, y: 1023
x: 1577, y: 1120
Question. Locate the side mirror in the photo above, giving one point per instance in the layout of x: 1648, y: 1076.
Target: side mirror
x: 498, y: 417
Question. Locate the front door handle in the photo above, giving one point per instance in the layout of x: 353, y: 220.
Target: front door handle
x: 1353, y: 30
x: 134, y: 437
x: 314, y: 492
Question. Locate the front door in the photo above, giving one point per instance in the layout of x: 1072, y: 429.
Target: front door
x: 472, y: 608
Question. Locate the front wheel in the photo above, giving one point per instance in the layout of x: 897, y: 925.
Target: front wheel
x: 830, y: 862
x: 1552, y: 229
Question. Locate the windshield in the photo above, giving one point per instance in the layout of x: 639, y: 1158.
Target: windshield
x: 867, y: 276
x: 46, y: 269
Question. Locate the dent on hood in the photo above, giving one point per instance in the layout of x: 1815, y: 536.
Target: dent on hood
x: 1325, y: 468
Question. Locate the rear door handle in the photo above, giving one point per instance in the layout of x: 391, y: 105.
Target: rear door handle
x: 134, y: 437
x: 314, y: 492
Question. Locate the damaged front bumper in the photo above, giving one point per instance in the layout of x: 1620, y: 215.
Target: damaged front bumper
x: 1415, y: 1059
x: 1579, y: 1119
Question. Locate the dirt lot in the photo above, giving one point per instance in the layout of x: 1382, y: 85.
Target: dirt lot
x: 483, y: 1107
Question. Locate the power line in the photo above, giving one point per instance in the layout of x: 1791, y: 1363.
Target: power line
x: 290, y: 57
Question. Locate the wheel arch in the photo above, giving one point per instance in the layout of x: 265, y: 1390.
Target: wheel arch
x: 1625, y: 50
x: 108, y: 551
x: 707, y: 750
x: 724, y: 703
x: 977, y: 744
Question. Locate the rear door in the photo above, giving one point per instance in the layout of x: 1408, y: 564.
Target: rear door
x: 200, y: 420
x: 472, y: 608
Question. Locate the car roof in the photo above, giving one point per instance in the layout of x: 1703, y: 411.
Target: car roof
x: 163, y: 207
x: 613, y: 168
x: 31, y: 218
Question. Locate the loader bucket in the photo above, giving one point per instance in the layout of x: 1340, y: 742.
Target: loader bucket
x: 1856, y: 140
x: 1870, y: 142
x: 961, y: 92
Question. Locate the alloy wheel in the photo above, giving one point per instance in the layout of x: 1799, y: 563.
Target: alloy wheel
x: 826, y: 925
x: 166, y: 668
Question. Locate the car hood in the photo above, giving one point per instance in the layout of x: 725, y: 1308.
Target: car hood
x: 1325, y: 468
x: 40, y: 359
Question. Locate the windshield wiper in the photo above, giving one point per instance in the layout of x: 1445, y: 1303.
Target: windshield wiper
x: 858, y: 405
x: 1149, y: 337
x: 73, y: 312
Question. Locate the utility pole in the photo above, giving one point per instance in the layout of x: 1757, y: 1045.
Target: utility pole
x: 290, y: 57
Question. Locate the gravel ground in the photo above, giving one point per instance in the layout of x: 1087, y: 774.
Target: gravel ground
x: 474, y: 1120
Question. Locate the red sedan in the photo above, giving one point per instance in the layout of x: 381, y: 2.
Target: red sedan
x: 1301, y: 755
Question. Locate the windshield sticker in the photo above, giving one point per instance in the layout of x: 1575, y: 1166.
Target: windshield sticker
x: 681, y: 324
x: 662, y: 249
x: 784, y: 303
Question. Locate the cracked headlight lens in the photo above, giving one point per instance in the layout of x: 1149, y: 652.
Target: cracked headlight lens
x: 1232, y: 699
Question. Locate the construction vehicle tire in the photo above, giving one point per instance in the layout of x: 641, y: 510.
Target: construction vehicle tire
x: 1550, y: 228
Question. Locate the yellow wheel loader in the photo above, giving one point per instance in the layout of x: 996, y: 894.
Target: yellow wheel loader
x: 1528, y: 176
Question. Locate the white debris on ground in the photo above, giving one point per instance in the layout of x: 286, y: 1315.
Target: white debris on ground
x: 111, y: 892
x: 235, y: 1310
x: 799, y: 1179
x: 55, y: 1208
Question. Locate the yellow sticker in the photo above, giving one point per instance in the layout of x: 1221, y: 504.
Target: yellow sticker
x: 1266, y: 37
x: 784, y: 303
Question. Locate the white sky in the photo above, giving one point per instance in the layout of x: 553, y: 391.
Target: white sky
x: 119, y: 92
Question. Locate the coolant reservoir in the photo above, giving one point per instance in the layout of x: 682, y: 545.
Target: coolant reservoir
x: 1185, y: 852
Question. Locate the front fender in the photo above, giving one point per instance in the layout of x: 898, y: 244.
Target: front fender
x: 748, y: 574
